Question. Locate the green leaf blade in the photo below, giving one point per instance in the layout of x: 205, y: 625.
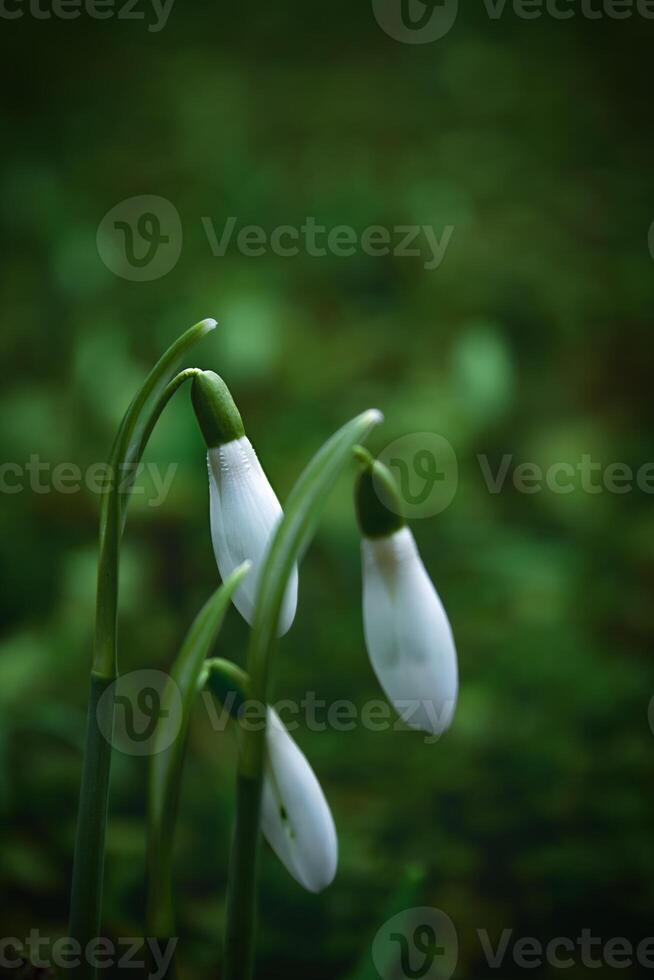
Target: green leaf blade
x: 167, y: 761
x: 301, y: 514
x: 128, y: 447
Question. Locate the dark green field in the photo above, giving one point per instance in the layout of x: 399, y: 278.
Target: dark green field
x: 525, y: 147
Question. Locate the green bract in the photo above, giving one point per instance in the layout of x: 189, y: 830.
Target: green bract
x: 228, y: 684
x: 218, y: 417
x: 377, y: 499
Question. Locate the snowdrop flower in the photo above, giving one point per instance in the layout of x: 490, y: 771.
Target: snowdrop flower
x: 244, y: 510
x: 295, y: 816
x: 407, y: 632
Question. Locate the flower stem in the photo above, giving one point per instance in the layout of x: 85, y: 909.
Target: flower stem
x: 241, y: 894
x: 167, y: 761
x: 301, y: 514
x: 88, y: 866
x: 88, y: 861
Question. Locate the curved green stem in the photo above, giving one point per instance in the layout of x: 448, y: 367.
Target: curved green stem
x: 186, y: 375
x: 88, y: 861
x: 134, y: 431
x: 167, y: 761
x: 301, y: 514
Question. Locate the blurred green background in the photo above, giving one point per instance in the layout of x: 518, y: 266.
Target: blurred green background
x: 533, y: 139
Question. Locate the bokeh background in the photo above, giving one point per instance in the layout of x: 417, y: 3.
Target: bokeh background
x: 533, y: 139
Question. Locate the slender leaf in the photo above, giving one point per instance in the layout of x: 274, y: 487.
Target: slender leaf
x: 88, y: 861
x: 137, y: 425
x: 301, y: 514
x: 404, y: 899
x: 167, y: 762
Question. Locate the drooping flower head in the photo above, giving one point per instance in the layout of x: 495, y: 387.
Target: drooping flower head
x: 244, y: 510
x: 295, y: 816
x: 407, y: 632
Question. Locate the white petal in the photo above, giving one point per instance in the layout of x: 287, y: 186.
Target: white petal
x: 295, y: 816
x: 408, y: 635
x: 244, y: 515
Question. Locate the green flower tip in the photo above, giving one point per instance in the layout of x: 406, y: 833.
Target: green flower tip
x: 208, y: 324
x: 376, y: 497
x: 215, y: 410
x: 227, y: 683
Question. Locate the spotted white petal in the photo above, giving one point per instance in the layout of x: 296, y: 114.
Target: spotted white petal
x: 295, y: 816
x: 408, y: 635
x: 244, y: 515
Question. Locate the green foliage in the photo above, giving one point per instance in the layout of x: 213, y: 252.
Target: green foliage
x: 167, y: 761
x: 534, y: 338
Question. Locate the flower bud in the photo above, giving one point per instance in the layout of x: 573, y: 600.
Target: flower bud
x: 407, y: 632
x: 295, y: 816
x: 244, y: 510
x: 218, y: 417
